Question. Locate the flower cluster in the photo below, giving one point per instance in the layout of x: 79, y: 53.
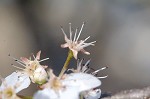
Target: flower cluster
x: 79, y: 83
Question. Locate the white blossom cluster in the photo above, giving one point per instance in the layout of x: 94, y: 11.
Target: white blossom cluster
x: 79, y: 83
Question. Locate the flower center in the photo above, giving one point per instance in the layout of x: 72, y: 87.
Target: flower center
x: 32, y: 67
x: 8, y: 92
x: 56, y: 84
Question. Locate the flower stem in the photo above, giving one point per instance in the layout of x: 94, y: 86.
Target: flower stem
x: 81, y: 96
x: 65, y: 67
x: 25, y: 97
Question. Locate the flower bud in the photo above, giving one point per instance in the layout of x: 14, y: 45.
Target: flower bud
x: 39, y: 75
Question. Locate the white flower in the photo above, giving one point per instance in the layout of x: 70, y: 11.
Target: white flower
x: 13, y: 84
x: 93, y: 93
x: 67, y: 87
x: 33, y: 68
x: 73, y: 44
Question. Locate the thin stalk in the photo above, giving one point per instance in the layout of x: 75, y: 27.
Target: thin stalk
x: 25, y: 97
x: 81, y: 96
x: 65, y: 67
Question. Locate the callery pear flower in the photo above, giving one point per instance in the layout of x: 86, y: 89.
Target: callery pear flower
x: 13, y: 84
x: 69, y: 86
x: 33, y: 68
x: 74, y: 44
x: 84, y: 68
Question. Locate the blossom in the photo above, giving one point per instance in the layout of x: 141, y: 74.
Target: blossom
x: 74, y: 44
x: 94, y: 93
x: 13, y: 84
x: 68, y: 85
x: 33, y: 68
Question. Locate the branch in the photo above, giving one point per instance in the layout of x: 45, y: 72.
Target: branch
x: 132, y: 94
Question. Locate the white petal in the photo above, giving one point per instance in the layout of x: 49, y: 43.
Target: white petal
x: 45, y: 94
x: 85, y: 52
x: 75, y: 53
x: 38, y: 55
x: 17, y: 78
x: 64, y: 45
x: 82, y: 80
x: 67, y: 93
x: 65, y: 36
x: 70, y: 93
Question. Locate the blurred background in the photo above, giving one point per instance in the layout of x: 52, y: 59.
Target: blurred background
x: 120, y: 27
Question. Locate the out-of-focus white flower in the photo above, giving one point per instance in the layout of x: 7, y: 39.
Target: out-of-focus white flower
x: 67, y: 87
x: 92, y: 94
x: 12, y: 84
x: 33, y: 68
x: 74, y: 44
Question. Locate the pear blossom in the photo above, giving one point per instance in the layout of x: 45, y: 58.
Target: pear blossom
x: 68, y: 85
x: 74, y: 44
x: 13, y: 84
x: 94, y: 93
x: 33, y: 68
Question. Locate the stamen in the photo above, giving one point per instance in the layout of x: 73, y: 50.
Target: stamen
x: 43, y: 59
x: 80, y: 31
x: 20, y: 63
x: 87, y: 38
x: 70, y: 31
x: 75, y: 34
x: 86, y: 64
x: 87, y: 44
x: 87, y: 69
x: 93, y: 42
x: 80, y: 63
x: 17, y: 67
x: 90, y: 43
x: 62, y: 30
x: 33, y: 56
x: 102, y: 77
x: 16, y: 59
x: 95, y: 72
